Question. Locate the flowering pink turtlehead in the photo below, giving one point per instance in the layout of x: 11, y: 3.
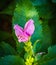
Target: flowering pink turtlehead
x: 24, y: 34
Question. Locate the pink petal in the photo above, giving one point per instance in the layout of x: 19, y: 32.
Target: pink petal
x: 23, y: 38
x: 29, y: 27
x: 17, y: 27
x: 18, y: 30
x: 21, y: 35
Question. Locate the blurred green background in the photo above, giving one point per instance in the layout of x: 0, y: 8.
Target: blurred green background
x: 43, y: 12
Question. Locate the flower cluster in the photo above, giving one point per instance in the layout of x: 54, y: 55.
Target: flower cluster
x: 24, y: 35
x: 29, y: 61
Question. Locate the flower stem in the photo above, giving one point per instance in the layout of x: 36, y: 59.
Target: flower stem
x: 29, y: 50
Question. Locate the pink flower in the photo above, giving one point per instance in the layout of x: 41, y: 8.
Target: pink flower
x: 24, y: 34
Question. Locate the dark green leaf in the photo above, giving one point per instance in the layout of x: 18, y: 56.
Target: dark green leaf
x: 39, y: 2
x: 11, y: 60
x: 36, y: 46
x: 19, y: 46
x: 6, y: 49
x: 50, y: 58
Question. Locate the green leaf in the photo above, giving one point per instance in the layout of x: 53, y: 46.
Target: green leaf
x: 22, y: 14
x: 47, y: 39
x: 11, y: 60
x: 50, y: 58
x: 45, y: 12
x: 36, y: 46
x: 38, y: 57
x: 6, y: 49
x: 19, y: 46
x: 39, y: 2
x: 20, y: 49
x: 51, y: 50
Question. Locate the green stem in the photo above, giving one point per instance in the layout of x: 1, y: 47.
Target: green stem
x: 29, y: 50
